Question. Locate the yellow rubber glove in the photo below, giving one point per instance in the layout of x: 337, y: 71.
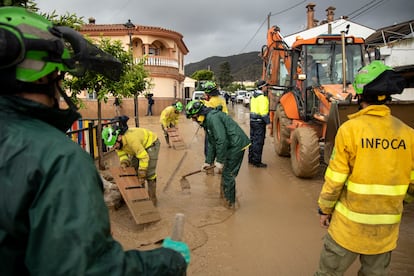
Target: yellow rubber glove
x: 125, y: 163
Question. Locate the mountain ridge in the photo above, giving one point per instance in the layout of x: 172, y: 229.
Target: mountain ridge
x: 243, y: 67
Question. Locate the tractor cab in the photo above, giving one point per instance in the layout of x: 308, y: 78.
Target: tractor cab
x: 322, y: 70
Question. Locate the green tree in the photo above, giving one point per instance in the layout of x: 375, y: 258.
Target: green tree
x: 17, y: 3
x: 224, y: 75
x: 70, y: 20
x: 133, y: 81
x: 201, y: 75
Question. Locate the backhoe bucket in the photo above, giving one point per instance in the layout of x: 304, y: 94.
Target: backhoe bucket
x: 339, y: 114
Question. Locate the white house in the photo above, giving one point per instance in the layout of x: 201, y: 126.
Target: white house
x: 328, y: 26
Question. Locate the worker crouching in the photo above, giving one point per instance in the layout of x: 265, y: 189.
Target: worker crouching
x: 139, y: 148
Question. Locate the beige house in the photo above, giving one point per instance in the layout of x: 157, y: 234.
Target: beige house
x: 165, y: 51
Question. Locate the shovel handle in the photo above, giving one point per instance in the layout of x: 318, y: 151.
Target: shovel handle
x: 198, y: 171
x: 191, y: 173
x: 178, y: 228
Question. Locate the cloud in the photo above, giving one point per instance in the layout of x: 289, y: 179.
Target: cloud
x: 229, y: 27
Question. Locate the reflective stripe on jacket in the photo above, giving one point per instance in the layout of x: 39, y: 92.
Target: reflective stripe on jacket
x: 259, y: 107
x: 135, y: 142
x: 369, y: 174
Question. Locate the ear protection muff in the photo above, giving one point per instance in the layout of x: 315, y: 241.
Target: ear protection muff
x: 12, y: 48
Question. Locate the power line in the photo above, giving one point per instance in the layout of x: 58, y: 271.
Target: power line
x: 367, y: 7
x: 247, y: 44
x: 115, y: 15
x: 288, y: 9
x: 264, y: 21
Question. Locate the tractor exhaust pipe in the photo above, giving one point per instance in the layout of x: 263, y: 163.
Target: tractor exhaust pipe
x: 343, y: 62
x: 343, y: 33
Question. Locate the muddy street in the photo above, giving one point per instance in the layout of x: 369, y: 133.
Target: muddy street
x: 275, y: 229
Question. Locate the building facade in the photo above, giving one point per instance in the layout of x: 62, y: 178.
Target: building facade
x: 164, y: 49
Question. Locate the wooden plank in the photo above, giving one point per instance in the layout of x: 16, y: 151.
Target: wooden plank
x: 175, y: 139
x: 135, y: 196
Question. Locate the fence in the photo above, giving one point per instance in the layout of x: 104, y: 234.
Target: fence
x: 83, y: 132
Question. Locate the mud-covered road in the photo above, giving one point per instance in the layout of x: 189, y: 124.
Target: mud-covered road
x: 274, y: 231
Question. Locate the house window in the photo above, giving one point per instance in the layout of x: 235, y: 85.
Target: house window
x: 152, y: 51
x: 92, y: 96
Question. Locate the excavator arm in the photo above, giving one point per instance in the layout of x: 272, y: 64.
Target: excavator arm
x: 275, y: 50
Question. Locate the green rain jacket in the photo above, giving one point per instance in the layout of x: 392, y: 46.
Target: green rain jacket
x: 53, y: 219
x: 225, y: 137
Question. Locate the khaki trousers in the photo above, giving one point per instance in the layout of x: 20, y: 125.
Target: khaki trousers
x: 335, y: 260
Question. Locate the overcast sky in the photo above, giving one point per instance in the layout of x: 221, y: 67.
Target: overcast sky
x: 229, y: 27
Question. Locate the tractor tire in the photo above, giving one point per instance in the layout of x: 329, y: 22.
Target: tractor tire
x: 281, y: 132
x: 305, y: 152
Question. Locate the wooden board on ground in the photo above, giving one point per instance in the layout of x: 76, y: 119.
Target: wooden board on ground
x: 175, y: 139
x: 135, y: 196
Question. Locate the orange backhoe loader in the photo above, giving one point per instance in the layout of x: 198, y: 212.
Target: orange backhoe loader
x: 311, y: 85
x: 308, y: 81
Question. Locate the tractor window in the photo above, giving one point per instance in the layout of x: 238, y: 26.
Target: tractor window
x: 283, y: 74
x: 324, y: 63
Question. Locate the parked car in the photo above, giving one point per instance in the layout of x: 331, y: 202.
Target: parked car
x: 197, y: 95
x: 240, y: 95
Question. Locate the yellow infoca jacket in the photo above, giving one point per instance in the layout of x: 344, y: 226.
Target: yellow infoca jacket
x: 169, y: 117
x: 216, y: 101
x: 135, y: 142
x: 370, y: 173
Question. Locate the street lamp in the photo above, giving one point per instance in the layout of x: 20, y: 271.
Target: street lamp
x: 130, y: 26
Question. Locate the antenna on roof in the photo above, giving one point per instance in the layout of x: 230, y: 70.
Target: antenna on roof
x: 347, y: 28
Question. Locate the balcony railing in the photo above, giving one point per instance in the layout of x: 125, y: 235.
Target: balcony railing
x: 159, y: 61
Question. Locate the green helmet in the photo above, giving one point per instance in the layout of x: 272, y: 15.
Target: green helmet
x: 110, y: 136
x: 193, y: 108
x: 178, y: 106
x: 34, y: 48
x: 209, y: 86
x: 369, y: 73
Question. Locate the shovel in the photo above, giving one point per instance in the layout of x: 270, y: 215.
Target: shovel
x: 185, y: 185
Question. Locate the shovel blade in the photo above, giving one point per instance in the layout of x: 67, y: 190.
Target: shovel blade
x: 185, y: 184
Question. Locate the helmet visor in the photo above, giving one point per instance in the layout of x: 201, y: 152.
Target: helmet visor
x: 86, y: 56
